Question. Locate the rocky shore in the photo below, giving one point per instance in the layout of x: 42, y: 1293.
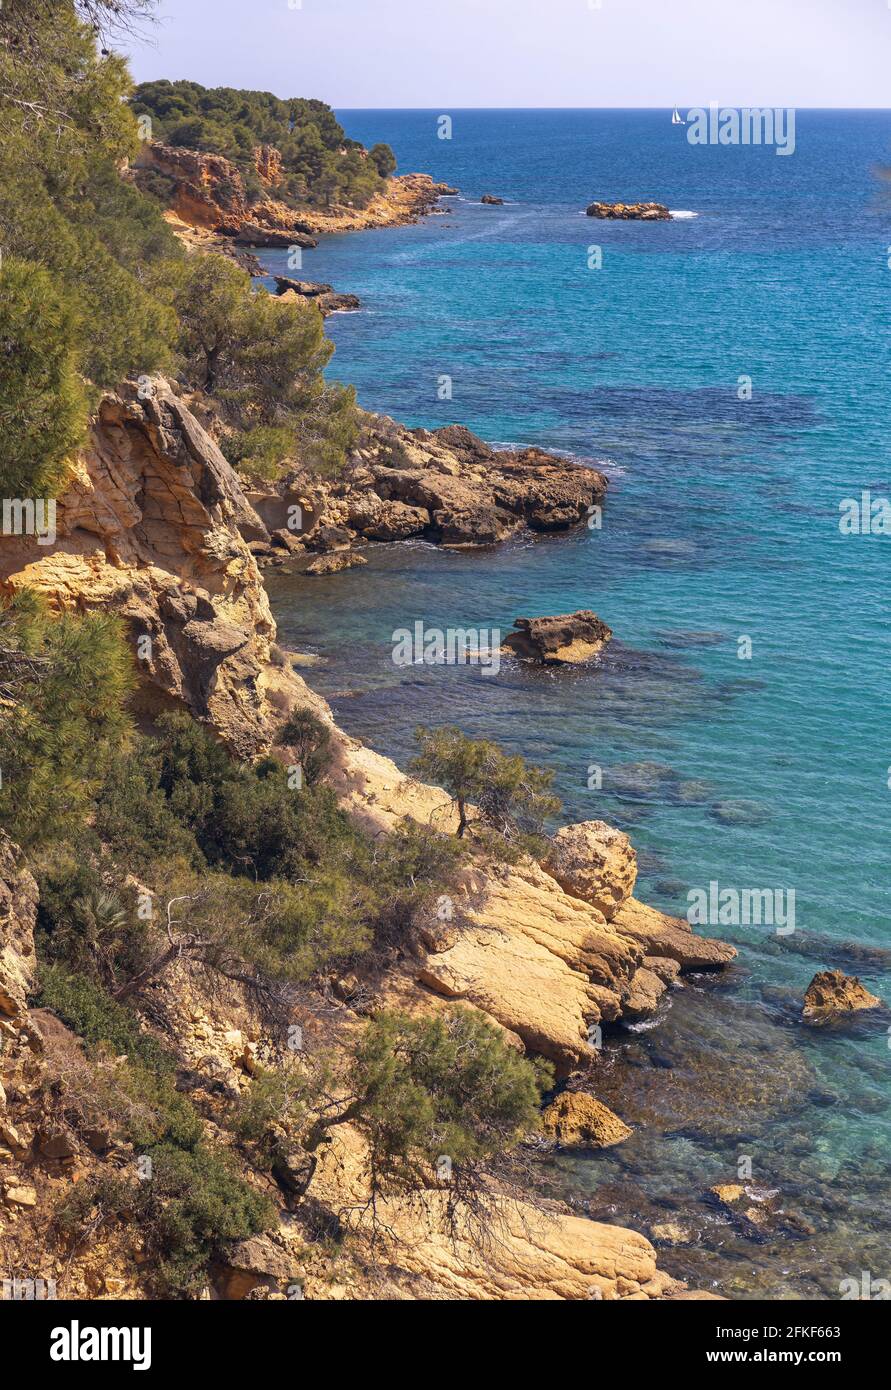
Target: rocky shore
x: 157, y: 527
x: 211, y: 208
x: 445, y: 486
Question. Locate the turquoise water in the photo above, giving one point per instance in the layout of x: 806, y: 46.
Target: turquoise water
x: 721, y: 523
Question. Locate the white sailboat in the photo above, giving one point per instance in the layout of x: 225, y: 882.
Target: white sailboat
x: 677, y: 118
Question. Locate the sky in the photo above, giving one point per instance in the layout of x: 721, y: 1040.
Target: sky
x: 447, y: 54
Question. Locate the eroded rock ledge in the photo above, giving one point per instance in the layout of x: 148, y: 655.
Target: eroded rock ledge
x: 447, y: 486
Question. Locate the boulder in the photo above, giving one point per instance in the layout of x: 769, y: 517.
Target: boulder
x: 20, y: 1196
x: 626, y: 212
x: 595, y: 862
x: 260, y: 1261
x: 457, y: 526
x: 396, y: 521
x: 325, y: 538
x: 644, y: 993
x: 564, y: 637
x: 336, y: 561
x: 577, y: 1120
x: 325, y: 297
x: 832, y: 995
x: 491, y: 200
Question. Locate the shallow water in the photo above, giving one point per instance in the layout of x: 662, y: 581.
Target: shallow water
x: 721, y: 523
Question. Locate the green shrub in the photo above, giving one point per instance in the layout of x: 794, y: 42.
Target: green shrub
x: 67, y: 679
x: 43, y: 404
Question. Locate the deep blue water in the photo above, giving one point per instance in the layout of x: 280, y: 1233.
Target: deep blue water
x: 721, y: 522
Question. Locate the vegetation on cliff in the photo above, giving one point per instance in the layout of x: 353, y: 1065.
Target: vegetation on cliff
x: 317, y: 165
x: 117, y: 296
x: 155, y: 851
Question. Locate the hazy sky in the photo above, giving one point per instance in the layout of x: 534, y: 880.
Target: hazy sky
x: 452, y: 53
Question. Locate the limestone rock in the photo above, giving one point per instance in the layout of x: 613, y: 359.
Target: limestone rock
x: 728, y: 1193
x: 564, y: 637
x: 538, y: 1255
x: 397, y: 521
x: 325, y: 297
x: 18, y: 912
x: 595, y: 862
x: 335, y: 562
x: 155, y: 526
x: 661, y: 935
x: 832, y: 995
x: 578, y: 1120
x: 20, y: 1196
x: 671, y: 1233
x: 640, y: 212
x: 644, y: 992
x: 259, y: 1262
x: 542, y: 964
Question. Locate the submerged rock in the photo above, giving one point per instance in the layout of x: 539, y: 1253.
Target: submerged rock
x: 563, y: 637
x: 832, y: 995
x: 334, y: 562
x: 576, y: 1119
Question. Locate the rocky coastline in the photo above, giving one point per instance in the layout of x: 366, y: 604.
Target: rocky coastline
x: 210, y: 208
x: 157, y: 526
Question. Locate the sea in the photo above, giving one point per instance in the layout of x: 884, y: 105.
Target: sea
x: 730, y: 371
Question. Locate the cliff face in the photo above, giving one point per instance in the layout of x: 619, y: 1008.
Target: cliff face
x: 153, y: 527
x: 207, y: 192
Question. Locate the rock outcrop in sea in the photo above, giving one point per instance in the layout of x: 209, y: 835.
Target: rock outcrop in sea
x: 568, y: 638
x: 445, y: 485
x: 832, y: 996
x: 630, y: 212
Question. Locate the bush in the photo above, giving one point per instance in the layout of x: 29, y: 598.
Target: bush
x: 66, y: 679
x: 513, y: 799
x: 43, y: 404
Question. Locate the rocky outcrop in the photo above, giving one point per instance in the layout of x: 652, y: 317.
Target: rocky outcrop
x: 491, y: 200
x: 662, y: 936
x: 207, y: 191
x: 565, y: 637
x: 153, y: 527
x: 628, y: 212
x: 832, y: 996
x: 335, y: 562
x: 595, y: 862
x: 446, y: 485
x: 577, y: 1120
x: 533, y: 1252
x: 325, y: 297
